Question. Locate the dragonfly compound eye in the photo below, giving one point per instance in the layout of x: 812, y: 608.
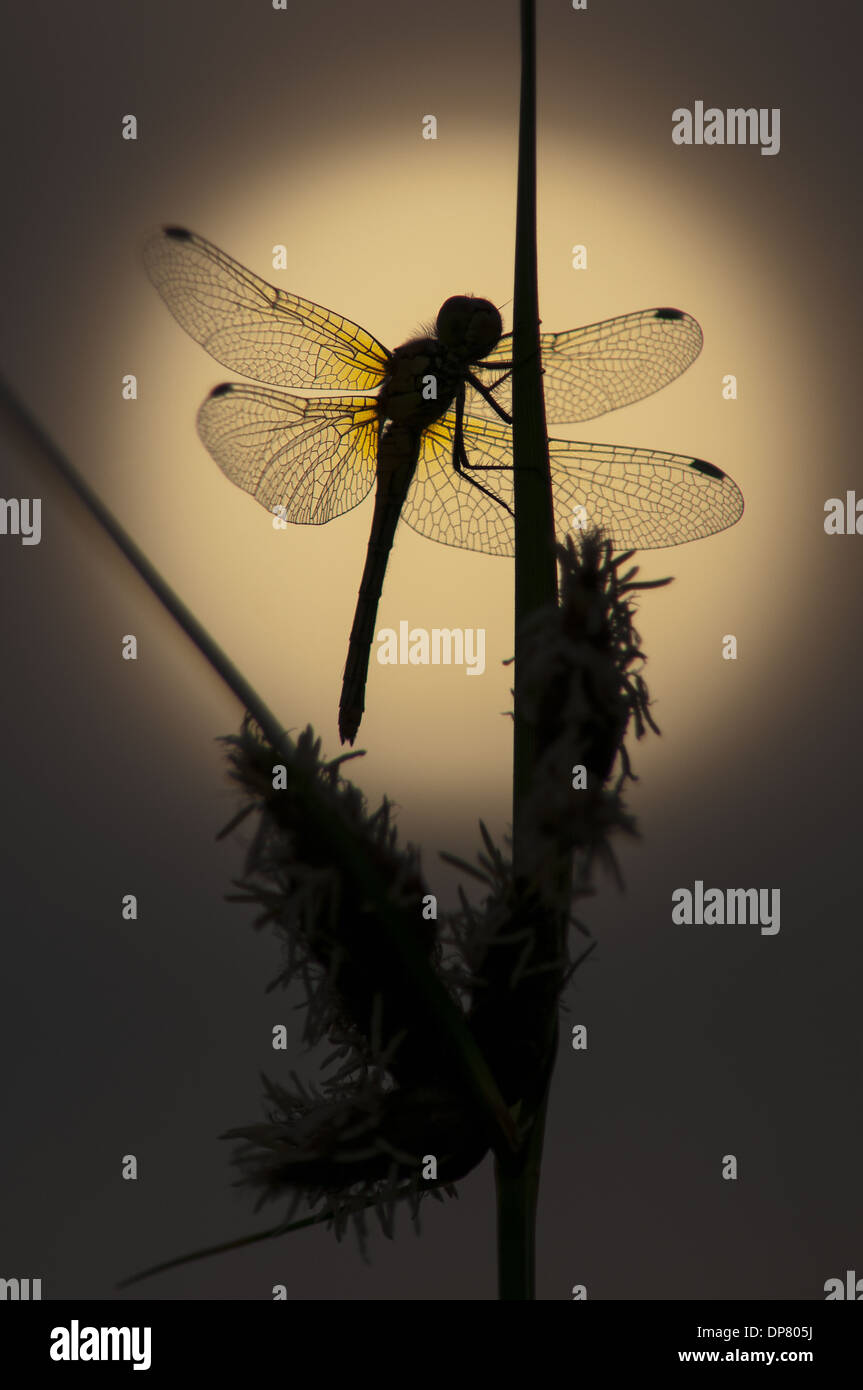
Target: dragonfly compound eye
x: 469, y: 326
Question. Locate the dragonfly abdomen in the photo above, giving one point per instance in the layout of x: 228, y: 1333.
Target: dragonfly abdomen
x: 398, y: 452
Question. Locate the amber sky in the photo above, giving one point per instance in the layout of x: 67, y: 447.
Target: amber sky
x: 304, y: 128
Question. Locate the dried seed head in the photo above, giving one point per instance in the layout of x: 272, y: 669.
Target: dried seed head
x: 581, y: 688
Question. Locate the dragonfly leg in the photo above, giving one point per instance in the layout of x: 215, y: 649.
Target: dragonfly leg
x: 528, y: 356
x: 460, y: 460
x: 486, y: 393
x: 460, y: 469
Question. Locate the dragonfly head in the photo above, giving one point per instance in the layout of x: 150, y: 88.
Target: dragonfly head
x: 468, y: 326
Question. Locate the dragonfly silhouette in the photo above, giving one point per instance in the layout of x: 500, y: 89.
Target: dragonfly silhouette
x: 311, y: 458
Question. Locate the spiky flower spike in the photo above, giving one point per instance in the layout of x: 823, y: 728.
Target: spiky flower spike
x: 353, y: 985
x: 391, y: 1101
x: 581, y: 690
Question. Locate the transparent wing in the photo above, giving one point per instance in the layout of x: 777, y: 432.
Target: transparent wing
x: 253, y: 328
x: 445, y: 506
x: 589, y: 371
x: 306, y: 460
x: 643, y: 498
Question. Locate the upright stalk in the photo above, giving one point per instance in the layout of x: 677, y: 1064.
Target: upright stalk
x: 517, y: 1176
x: 535, y: 570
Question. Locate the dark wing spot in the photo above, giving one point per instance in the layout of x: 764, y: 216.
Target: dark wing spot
x: 668, y: 314
x: 226, y: 386
x: 709, y: 468
x: 178, y: 233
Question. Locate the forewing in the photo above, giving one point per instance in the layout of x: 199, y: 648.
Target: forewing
x: 642, y: 498
x: 254, y: 328
x: 306, y: 460
x: 590, y: 371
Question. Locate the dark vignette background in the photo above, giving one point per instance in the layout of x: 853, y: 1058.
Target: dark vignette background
x: 701, y: 1043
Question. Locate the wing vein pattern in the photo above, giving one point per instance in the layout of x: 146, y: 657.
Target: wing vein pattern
x: 589, y: 371
x: 641, y: 497
x: 307, y: 459
x: 253, y: 328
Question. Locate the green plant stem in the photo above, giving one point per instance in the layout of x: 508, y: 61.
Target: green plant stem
x: 448, y: 1031
x: 517, y: 1177
x: 535, y: 567
x: 517, y: 1187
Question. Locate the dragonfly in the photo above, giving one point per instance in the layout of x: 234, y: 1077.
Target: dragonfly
x: 427, y: 424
